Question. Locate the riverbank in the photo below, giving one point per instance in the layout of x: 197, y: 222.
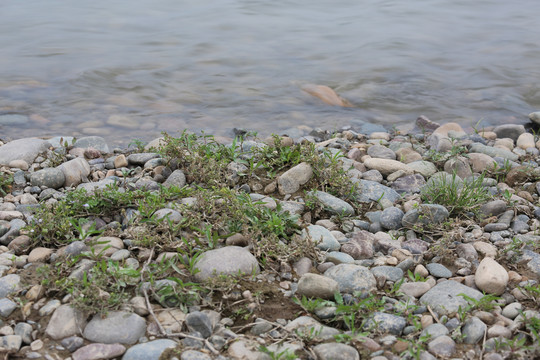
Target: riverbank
x: 331, y: 245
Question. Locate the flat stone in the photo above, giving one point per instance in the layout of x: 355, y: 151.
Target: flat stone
x: 415, y: 289
x: 50, y: 177
x: 317, y: 286
x: 352, y: 278
x: 140, y: 159
x: 322, y: 237
x: 422, y: 167
x: 117, y: 327
x: 493, y: 152
x: 381, y: 152
x: 491, y: 277
x: 444, y: 297
x: 408, y: 184
x: 439, y: 270
x: 333, y: 204
x: 66, y: 321
x: 151, y: 350
x: 26, y: 149
x: 332, y: 351
x: 338, y: 257
x: 229, y: 260
x: 387, y: 166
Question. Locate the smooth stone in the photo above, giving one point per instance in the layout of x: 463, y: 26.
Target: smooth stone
x: 75, y: 171
x: 492, y: 208
x: 381, y: 152
x: 512, y: 131
x: 493, y: 152
x: 332, y: 351
x: 229, y: 260
x: 96, y: 142
x: 49, y: 307
x: 373, y: 175
x: 91, y: 187
x: 321, y: 237
x: 177, y: 178
x: 445, y: 299
x: 512, y: 310
x: 65, y: 322
x: 442, y: 346
x: 525, y: 141
x: 415, y: 289
x: 194, y: 355
x: 386, y: 323
x: 117, y: 327
x: 491, y: 277
x: 120, y: 161
x: 352, y: 278
x: 387, y: 166
x: 458, y: 165
x: 317, y: 286
x: 333, y: 204
x: 151, y: 350
x: 140, y: 159
x: 422, y: 167
x: 495, y: 227
x: 389, y: 272
x: 391, y: 218
x: 50, y: 177
x: 407, y: 155
x: 480, y: 162
x: 98, y: 351
x: 434, y: 331
x: 26, y: 149
x: 438, y: 270
x: 338, y: 257
x: 291, y: 180
x: 473, y: 330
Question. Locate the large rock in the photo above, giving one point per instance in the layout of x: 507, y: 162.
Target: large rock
x: 75, y: 171
x: 66, y: 321
x: 117, y: 327
x: 491, y: 277
x: 291, y: 180
x: 445, y: 297
x: 23, y: 149
x: 317, y: 286
x: 229, y: 260
x: 352, y: 278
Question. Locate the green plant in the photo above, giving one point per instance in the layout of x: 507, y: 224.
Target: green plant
x: 458, y: 197
x: 286, y: 354
x: 485, y: 303
x: 415, y: 277
x: 5, y: 183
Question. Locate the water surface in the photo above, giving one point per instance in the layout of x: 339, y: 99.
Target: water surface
x: 131, y: 69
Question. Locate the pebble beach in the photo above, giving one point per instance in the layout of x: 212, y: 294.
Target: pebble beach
x: 419, y: 245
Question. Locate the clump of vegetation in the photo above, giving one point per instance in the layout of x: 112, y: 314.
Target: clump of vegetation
x: 5, y: 183
x: 456, y: 195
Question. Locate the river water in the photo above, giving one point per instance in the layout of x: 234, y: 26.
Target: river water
x: 131, y: 69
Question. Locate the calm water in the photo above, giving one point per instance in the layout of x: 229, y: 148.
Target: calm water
x: 130, y: 69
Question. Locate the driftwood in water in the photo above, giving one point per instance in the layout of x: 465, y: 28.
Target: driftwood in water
x: 326, y: 94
